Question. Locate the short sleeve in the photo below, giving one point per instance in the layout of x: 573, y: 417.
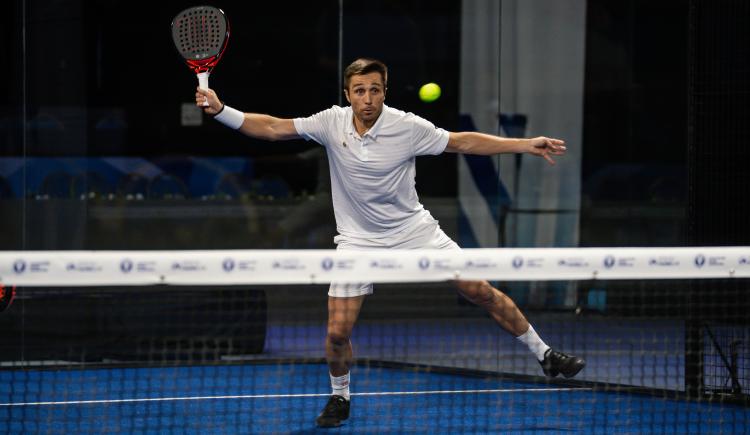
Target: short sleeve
x: 317, y: 126
x: 427, y: 139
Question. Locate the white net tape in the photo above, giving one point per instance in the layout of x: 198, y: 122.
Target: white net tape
x: 234, y: 267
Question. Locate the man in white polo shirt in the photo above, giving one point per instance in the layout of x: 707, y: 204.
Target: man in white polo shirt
x: 371, y: 152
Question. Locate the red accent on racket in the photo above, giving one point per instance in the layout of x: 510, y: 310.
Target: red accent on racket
x: 201, y: 34
x: 6, y: 297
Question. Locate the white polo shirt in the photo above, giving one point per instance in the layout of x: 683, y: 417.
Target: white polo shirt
x: 373, y: 176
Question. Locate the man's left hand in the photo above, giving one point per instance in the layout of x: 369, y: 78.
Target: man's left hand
x: 546, y: 147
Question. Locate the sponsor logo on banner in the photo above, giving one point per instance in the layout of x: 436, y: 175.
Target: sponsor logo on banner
x: 145, y: 266
x: 22, y: 266
x: 187, y: 266
x: 84, y: 267
x: 228, y: 265
x: 663, y: 262
x: 519, y: 262
x: 443, y: 264
x: 19, y: 266
x: 424, y: 263
x: 716, y: 261
x: 609, y: 261
x: 329, y: 264
x: 572, y: 262
x: 247, y: 265
x: 290, y: 264
x: 385, y: 264
x: 480, y: 264
x: 535, y: 262
x: 744, y: 261
x: 126, y: 265
x: 700, y: 260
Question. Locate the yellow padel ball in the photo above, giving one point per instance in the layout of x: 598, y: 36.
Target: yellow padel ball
x: 429, y: 92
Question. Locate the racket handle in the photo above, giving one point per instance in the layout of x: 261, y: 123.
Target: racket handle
x: 203, y: 84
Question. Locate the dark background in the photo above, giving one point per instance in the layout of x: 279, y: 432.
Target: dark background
x: 95, y: 63
x: 634, y: 174
x: 665, y: 104
x: 111, y: 63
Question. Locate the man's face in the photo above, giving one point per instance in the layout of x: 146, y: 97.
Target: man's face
x: 366, y: 94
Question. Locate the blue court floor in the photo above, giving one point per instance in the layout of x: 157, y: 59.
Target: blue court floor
x: 285, y: 398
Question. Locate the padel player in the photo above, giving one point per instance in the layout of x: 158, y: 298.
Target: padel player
x: 371, y: 152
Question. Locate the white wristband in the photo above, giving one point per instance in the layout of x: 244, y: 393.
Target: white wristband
x: 232, y: 118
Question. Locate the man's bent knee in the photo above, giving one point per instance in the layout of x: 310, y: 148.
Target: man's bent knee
x: 338, y: 338
x: 478, y: 292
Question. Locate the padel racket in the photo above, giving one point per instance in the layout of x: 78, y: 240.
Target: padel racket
x: 200, y: 35
x: 6, y: 296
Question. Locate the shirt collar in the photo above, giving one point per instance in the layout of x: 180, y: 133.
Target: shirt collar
x: 373, y: 131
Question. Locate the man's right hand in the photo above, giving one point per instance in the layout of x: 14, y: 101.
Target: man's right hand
x: 214, y: 104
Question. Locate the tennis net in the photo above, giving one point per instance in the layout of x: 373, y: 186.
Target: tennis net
x: 233, y: 341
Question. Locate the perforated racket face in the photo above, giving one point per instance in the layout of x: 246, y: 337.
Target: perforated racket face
x: 200, y: 35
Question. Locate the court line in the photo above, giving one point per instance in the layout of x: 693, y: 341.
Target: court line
x: 289, y: 396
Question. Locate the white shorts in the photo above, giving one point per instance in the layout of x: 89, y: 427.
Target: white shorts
x: 427, y: 235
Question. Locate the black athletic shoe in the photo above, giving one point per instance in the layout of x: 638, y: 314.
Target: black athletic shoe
x: 556, y: 362
x: 336, y: 411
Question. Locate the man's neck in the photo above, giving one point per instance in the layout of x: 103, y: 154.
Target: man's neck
x: 363, y: 127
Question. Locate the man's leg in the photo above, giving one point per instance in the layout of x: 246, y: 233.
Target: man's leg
x: 500, y: 307
x: 342, y: 315
x: 506, y: 314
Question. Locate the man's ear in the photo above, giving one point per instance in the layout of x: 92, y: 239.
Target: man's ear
x: 346, y: 94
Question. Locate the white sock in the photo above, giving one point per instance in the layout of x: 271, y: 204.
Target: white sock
x: 534, y: 343
x: 340, y: 385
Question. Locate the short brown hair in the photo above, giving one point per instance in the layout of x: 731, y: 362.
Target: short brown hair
x: 363, y: 66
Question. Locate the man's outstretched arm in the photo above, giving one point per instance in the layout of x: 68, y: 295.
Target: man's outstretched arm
x: 469, y: 142
x: 255, y: 125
